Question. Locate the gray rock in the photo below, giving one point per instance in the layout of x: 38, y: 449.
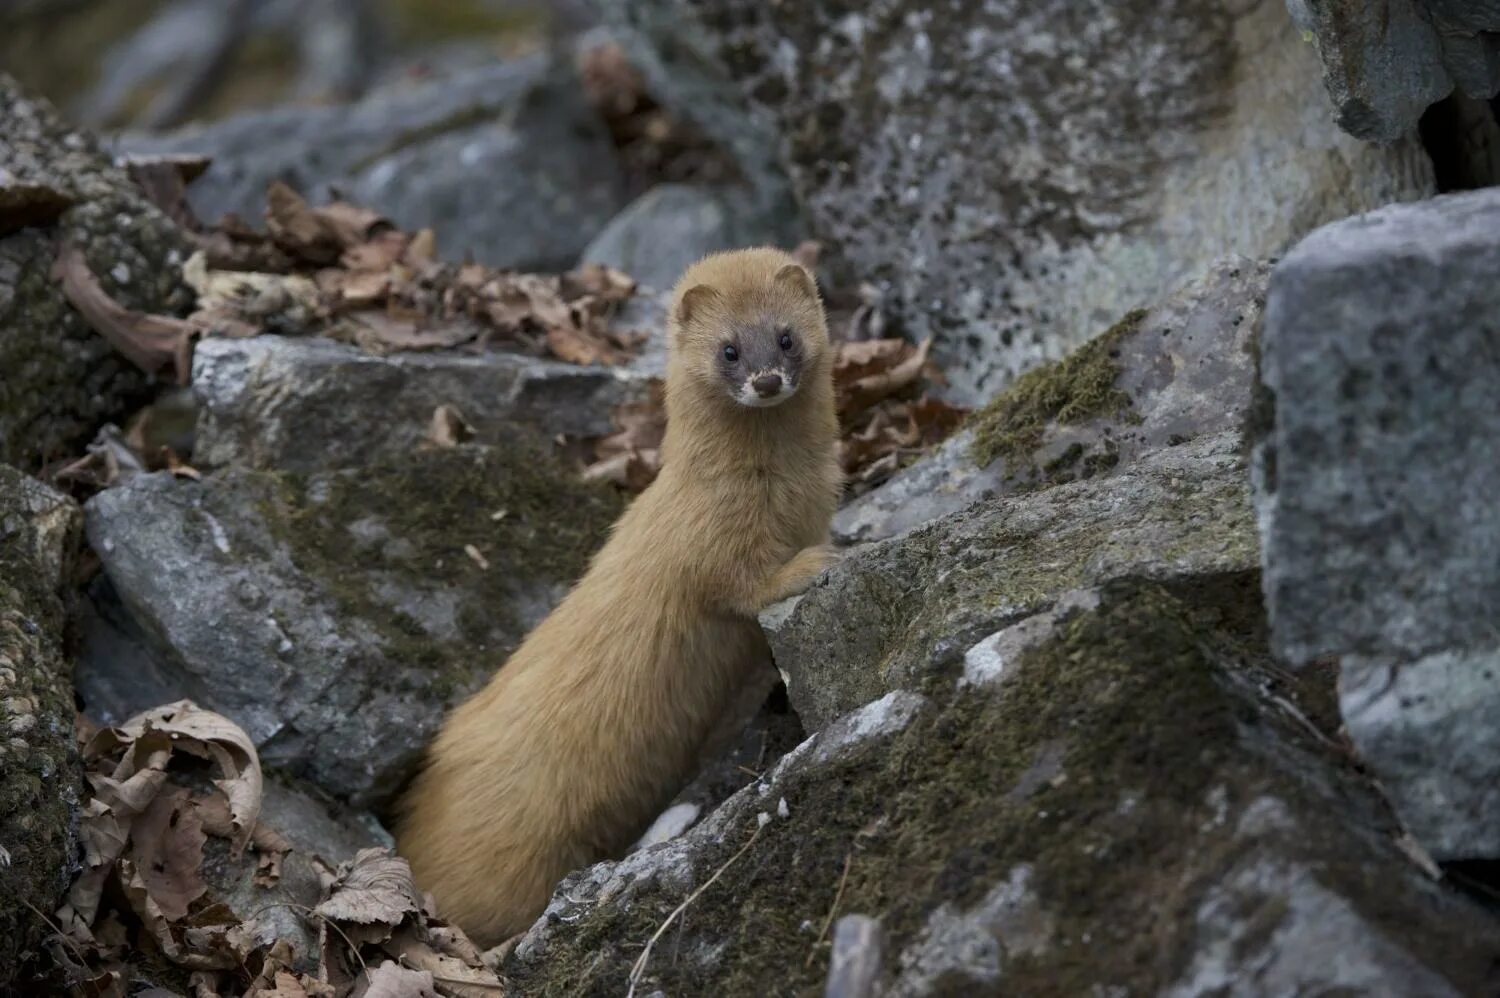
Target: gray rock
x: 1013, y: 176
x: 305, y: 404
x: 1428, y: 729
x: 504, y: 162
x: 39, y: 778
x: 1183, y: 369
x: 1379, y: 350
x: 335, y: 615
x: 1385, y: 62
x: 893, y: 613
x: 62, y: 380
x: 322, y: 835
x: 669, y: 228
x: 1139, y: 765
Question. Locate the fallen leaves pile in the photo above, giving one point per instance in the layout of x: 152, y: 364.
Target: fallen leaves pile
x: 165, y: 787
x: 887, y: 418
x: 346, y: 272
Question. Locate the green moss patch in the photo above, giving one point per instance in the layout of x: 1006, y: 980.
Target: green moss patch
x: 941, y: 814
x: 1077, y: 388
x: 411, y: 523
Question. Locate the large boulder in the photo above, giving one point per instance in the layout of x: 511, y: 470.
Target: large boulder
x: 1158, y: 378
x: 39, y: 775
x: 1385, y: 62
x: 1015, y: 176
x: 333, y: 614
x: 61, y: 379
x: 1137, y: 803
x: 505, y: 162
x: 1381, y: 352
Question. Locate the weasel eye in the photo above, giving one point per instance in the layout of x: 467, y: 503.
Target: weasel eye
x: 731, y: 354
x: 786, y: 340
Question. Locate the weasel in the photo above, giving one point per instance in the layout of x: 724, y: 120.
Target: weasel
x: 596, y: 720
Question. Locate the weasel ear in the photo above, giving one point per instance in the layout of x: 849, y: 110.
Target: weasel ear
x: 794, y: 275
x: 694, y: 300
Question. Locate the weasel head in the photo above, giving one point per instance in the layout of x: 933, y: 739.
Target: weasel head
x: 748, y: 328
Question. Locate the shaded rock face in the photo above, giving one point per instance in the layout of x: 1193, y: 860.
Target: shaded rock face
x: 1162, y: 377
x: 1381, y: 341
x: 62, y: 380
x: 1015, y: 177
x: 39, y: 779
x: 505, y: 162
x: 1385, y: 62
x: 334, y: 615
x: 1126, y: 810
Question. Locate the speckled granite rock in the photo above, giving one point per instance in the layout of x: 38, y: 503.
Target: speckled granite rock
x: 1381, y: 351
x: 1015, y: 176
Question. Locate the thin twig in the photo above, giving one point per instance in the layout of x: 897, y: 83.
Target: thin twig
x: 71, y: 943
x: 638, y: 969
x: 364, y: 967
x: 837, y: 897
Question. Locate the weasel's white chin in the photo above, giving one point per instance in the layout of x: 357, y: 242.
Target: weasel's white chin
x: 748, y: 398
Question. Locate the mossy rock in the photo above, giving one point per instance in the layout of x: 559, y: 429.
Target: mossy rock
x: 336, y: 615
x: 62, y: 380
x: 1158, y: 377
x: 39, y: 777
x: 1130, y: 811
x: 895, y: 611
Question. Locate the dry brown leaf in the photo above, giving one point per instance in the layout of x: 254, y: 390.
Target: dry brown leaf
x: 422, y: 250
x: 391, y: 980
x: 24, y: 203
x: 214, y: 737
x: 568, y: 343
x: 378, y: 255
x: 871, y: 388
x: 272, y: 848
x: 448, y: 427
x: 298, y: 229
x: 150, y: 342
x: 167, y: 847
x: 373, y: 888
x: 352, y: 225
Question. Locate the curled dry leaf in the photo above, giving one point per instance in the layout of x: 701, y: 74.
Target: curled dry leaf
x: 150, y: 342
x: 219, y: 740
x: 631, y: 456
x: 391, y: 980
x: 374, y: 888
x: 864, y: 390
x: 448, y: 427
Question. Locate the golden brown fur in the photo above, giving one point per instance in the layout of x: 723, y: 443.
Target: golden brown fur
x: 596, y: 720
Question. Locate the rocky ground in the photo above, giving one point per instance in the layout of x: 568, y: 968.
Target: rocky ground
x: 1160, y: 659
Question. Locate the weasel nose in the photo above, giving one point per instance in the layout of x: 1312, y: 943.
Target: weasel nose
x: 766, y: 385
